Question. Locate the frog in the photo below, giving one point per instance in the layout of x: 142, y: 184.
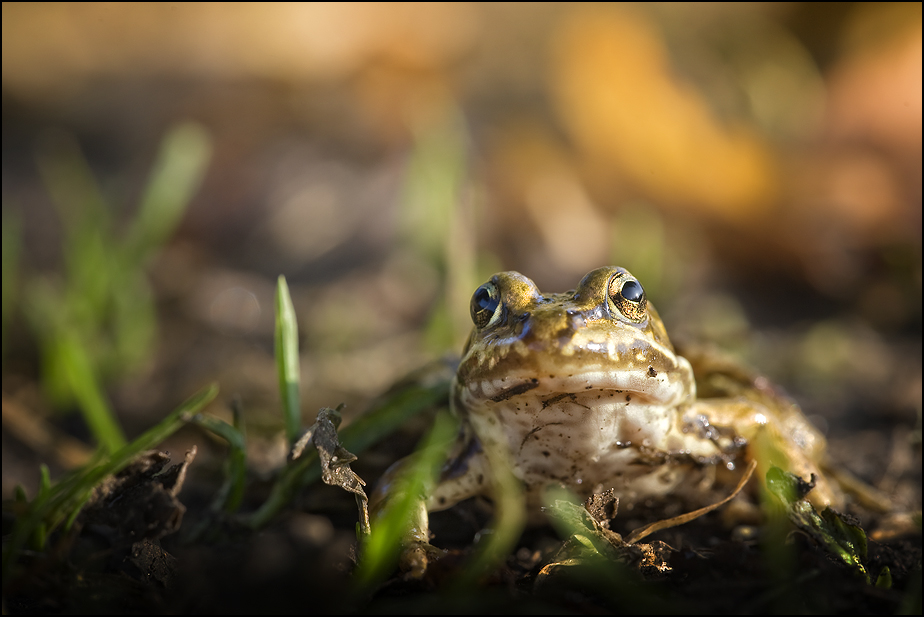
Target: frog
x: 584, y: 390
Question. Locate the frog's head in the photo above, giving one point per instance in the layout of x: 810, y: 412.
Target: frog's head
x: 602, y: 336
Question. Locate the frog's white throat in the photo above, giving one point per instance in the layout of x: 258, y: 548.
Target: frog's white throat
x: 579, y: 437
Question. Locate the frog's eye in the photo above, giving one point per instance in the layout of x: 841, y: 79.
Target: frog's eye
x: 629, y: 298
x: 485, y: 305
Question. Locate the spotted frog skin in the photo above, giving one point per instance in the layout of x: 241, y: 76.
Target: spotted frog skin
x: 583, y: 389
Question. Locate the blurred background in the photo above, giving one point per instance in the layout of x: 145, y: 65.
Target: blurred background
x: 756, y: 166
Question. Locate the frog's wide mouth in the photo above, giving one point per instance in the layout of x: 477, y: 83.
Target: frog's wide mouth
x: 648, y: 385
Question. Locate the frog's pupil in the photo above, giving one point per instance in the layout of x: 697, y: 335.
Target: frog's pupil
x: 632, y: 291
x: 484, y: 303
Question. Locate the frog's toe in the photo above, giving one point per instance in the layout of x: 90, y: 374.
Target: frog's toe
x: 417, y: 556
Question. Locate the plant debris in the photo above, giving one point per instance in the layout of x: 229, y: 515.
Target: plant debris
x: 335, y: 460
x: 839, y: 534
x: 140, y: 502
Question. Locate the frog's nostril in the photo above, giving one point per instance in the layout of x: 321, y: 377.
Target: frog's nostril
x: 576, y: 320
x: 521, y: 325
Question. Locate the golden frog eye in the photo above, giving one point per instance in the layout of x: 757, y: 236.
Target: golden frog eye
x: 629, y: 298
x: 485, y: 306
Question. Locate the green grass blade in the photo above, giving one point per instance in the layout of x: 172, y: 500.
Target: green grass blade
x: 156, y: 434
x: 77, y: 369
x: 133, y: 323
x: 178, y: 172
x: 87, y: 248
x: 383, y: 545
x: 41, y: 531
x: 231, y: 493
x: 69, y: 180
x: 287, y: 365
x: 509, y: 520
x: 391, y: 412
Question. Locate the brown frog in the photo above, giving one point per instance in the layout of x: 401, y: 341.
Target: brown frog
x: 583, y: 389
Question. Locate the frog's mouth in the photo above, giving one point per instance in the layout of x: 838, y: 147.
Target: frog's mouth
x: 642, y: 386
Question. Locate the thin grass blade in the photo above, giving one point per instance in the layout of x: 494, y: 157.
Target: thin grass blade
x: 287, y: 365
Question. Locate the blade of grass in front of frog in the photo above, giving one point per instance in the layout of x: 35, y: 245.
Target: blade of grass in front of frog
x: 287, y: 366
x: 509, y: 518
x: 839, y: 537
x: 777, y: 553
x: 381, y: 549
x: 71, y: 492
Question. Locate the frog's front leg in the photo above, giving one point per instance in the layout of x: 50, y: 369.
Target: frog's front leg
x: 776, y: 434
x: 464, y: 475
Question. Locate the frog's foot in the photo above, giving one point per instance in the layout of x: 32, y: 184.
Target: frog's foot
x: 416, y: 557
x: 777, y: 434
